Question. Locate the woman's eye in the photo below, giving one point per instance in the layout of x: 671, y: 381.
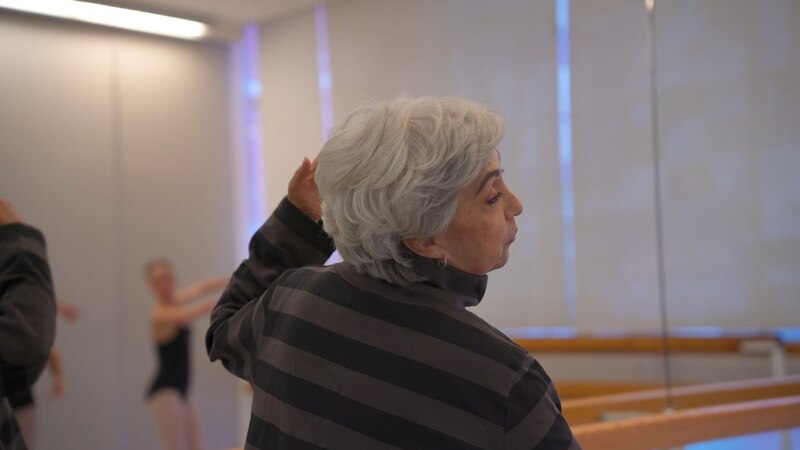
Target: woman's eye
x: 495, y: 198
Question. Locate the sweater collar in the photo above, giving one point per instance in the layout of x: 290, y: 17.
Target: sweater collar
x: 468, y: 288
x: 436, y: 283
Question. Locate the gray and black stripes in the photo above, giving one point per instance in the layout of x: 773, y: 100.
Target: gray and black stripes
x: 27, y: 319
x: 340, y: 360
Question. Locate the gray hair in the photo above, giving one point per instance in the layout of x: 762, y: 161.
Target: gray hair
x: 395, y: 170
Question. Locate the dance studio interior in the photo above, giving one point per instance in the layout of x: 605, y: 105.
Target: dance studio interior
x: 654, y: 144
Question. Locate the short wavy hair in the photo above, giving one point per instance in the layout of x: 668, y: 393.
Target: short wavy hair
x: 395, y: 170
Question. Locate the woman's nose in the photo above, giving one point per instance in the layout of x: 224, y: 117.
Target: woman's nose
x: 514, y: 206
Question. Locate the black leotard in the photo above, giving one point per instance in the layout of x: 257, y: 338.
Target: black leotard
x: 173, y: 365
x: 21, y: 399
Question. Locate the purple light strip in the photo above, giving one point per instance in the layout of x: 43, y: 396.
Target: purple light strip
x: 324, y: 82
x: 324, y: 76
x: 250, y: 92
x: 564, y: 85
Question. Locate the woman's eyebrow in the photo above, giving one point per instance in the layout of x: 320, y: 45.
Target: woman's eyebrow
x: 489, y: 176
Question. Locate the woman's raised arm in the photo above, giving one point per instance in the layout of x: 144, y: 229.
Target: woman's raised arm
x: 292, y: 237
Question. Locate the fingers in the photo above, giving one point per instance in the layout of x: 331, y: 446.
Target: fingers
x: 306, y: 171
x: 301, y: 171
x: 313, y: 170
x: 312, y: 167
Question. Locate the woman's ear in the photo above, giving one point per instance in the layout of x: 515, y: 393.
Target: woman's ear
x: 425, y: 247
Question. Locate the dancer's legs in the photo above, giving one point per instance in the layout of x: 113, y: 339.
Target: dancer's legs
x: 169, y: 411
x: 195, y: 433
x: 26, y: 419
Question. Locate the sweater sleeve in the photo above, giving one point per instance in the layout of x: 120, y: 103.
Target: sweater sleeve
x: 287, y: 240
x: 27, y: 306
x: 533, y: 413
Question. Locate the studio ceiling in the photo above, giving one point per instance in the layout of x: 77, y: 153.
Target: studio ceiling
x: 219, y: 12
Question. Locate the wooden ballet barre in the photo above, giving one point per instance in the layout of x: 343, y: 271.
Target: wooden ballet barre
x: 572, y: 389
x: 666, y: 430
x: 587, y: 344
x: 689, y: 340
x: 592, y: 409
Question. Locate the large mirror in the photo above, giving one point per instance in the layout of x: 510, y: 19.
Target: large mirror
x: 728, y: 108
x: 655, y: 146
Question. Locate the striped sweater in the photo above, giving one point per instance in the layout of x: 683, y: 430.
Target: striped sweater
x: 341, y: 360
x: 27, y: 319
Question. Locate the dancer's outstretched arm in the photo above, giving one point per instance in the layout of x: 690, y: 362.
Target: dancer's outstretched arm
x: 198, y: 289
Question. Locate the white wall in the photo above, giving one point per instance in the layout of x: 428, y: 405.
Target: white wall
x: 116, y: 146
x: 613, y: 163
x: 290, y: 100
x: 729, y: 93
x: 57, y: 167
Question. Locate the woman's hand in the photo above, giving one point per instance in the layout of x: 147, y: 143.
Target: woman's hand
x: 303, y: 191
x: 9, y: 215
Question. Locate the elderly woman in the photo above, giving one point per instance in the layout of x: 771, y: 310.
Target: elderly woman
x: 380, y: 352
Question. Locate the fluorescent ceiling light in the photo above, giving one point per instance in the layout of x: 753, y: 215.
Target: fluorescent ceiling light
x: 111, y: 16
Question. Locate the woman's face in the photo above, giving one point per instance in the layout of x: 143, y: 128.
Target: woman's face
x: 162, y: 281
x: 483, y: 227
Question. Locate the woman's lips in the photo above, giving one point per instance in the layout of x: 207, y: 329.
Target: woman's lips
x: 513, y: 238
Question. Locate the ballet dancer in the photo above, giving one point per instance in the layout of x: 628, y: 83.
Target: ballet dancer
x: 172, y: 314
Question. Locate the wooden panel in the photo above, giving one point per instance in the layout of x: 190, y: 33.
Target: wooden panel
x: 693, y: 425
x: 588, y: 410
x: 573, y: 389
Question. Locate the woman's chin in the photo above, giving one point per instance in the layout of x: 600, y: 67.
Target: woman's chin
x: 502, y: 260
